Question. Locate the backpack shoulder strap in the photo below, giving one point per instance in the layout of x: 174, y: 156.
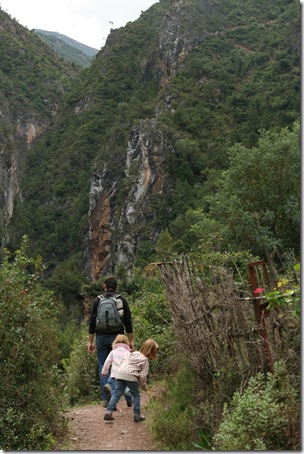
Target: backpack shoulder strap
x: 119, y: 304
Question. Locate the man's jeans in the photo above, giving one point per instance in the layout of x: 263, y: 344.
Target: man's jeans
x: 103, y: 348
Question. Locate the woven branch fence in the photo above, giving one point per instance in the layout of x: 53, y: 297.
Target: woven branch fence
x: 215, y: 324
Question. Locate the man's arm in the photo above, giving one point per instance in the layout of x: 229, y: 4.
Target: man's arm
x: 92, y: 324
x: 127, y: 320
x: 91, y: 345
x: 130, y: 337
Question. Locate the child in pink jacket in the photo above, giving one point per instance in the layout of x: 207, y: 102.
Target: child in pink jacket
x: 120, y: 350
x: 133, y: 373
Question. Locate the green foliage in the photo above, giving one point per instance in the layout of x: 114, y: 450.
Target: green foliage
x: 175, y: 409
x: 203, y: 442
x: 164, y: 246
x: 67, y: 281
x: 31, y: 399
x: 257, y: 203
x: 82, y: 383
x: 152, y: 319
x: 264, y: 417
x: 196, y: 232
x: 286, y: 295
x: 243, y: 76
x: 68, y: 332
x: 236, y: 262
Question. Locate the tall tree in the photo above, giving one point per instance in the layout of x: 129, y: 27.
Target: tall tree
x: 257, y: 205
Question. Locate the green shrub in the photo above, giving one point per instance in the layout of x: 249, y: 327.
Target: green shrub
x: 173, y: 413
x: 31, y: 384
x: 265, y: 417
x: 152, y: 319
x: 82, y: 372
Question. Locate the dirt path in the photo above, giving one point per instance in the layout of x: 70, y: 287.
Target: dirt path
x: 89, y: 432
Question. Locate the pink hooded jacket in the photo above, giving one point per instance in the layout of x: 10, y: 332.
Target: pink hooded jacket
x: 120, y: 351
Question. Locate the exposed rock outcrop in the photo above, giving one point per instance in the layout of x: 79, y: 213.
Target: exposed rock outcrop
x: 112, y: 232
x: 145, y: 156
x: 12, y: 157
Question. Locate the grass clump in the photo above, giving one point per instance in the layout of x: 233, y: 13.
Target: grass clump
x: 174, y: 409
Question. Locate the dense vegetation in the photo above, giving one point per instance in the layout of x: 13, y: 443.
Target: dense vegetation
x: 230, y: 112
x: 209, y: 363
x: 33, y: 77
x: 242, y: 78
x: 31, y: 385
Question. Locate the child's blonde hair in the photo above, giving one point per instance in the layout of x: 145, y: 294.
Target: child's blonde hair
x: 121, y: 339
x: 149, y: 348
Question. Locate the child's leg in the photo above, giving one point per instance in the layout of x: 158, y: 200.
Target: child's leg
x: 113, y: 384
x: 128, y: 397
x: 134, y: 388
x: 117, y: 392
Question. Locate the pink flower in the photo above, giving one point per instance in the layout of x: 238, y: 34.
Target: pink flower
x: 258, y: 291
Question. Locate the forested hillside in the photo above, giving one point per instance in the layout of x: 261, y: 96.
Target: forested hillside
x: 33, y: 83
x: 67, y: 48
x: 146, y: 131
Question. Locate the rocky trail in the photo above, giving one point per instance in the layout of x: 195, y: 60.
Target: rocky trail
x: 89, y: 432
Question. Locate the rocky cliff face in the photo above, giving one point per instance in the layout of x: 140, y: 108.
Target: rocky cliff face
x: 112, y: 237
x: 178, y: 37
x: 30, y: 93
x: 17, y: 133
x: 12, y: 156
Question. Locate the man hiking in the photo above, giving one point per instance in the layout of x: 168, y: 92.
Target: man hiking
x: 110, y: 316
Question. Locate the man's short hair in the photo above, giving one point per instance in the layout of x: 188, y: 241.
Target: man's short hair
x: 111, y: 283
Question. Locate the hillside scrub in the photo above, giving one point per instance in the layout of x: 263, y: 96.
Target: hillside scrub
x: 266, y: 416
x: 31, y: 384
x: 221, y: 382
x: 233, y: 72
x: 257, y: 203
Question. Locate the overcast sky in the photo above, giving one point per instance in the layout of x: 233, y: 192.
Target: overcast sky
x: 86, y: 21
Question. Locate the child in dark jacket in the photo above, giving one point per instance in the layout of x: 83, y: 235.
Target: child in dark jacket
x: 133, y: 373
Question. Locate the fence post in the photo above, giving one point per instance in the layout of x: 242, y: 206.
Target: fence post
x: 260, y: 311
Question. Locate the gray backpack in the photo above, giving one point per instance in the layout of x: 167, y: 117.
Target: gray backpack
x: 109, y: 314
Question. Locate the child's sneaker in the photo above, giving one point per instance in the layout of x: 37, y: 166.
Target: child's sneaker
x: 139, y: 418
x: 108, y: 416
